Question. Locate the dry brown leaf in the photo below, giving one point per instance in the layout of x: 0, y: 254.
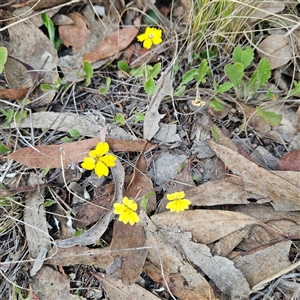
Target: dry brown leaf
x: 259, y: 124
x: 133, y: 237
x: 28, y: 44
x: 225, y: 191
x: 115, y: 289
x: 46, y: 279
x: 256, y: 179
x: 70, y: 34
x: 14, y: 94
x: 91, y: 212
x: 276, y: 50
x: 76, y: 255
x: 57, y: 156
x: 152, y: 117
x: 114, y: 43
x: 264, y: 263
x: 266, y: 8
x: 126, y: 247
x: 206, y: 225
x: 36, y: 228
x: 220, y: 270
x: 182, y: 279
x: 290, y: 161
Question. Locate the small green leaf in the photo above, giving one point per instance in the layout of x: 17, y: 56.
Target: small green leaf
x: 4, y: 149
x: 235, y: 74
x: 137, y: 72
x: 207, y: 54
x: 226, y: 86
x: 119, y: 119
x: 50, y: 27
x: 270, y: 117
x: 261, y: 76
x: 49, y: 202
x: 150, y: 86
x: 88, y: 69
x: 138, y: 117
x: 203, y: 70
x: 244, y: 57
x: 74, y: 133
x: 45, y: 171
x: 66, y: 139
x: 150, y: 18
x: 179, y: 91
x: 123, y: 66
x: 214, y: 133
x: 155, y: 70
x: 105, y: 90
x: 9, y: 114
x: 195, y: 56
x: 188, y: 76
x: 295, y: 91
x: 176, y: 66
x: 3, y: 58
x: 78, y: 232
x: 216, y: 105
x: 145, y: 198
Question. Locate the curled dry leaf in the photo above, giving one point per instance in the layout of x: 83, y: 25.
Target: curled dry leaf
x: 76, y: 34
x: 290, y: 161
x: 276, y: 50
x: 57, y: 156
x: 114, y: 43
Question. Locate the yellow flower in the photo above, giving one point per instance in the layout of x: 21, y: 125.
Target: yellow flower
x: 127, y: 211
x: 98, y: 160
x: 151, y: 36
x: 177, y: 203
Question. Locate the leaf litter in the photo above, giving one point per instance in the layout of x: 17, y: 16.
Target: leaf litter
x: 243, y: 218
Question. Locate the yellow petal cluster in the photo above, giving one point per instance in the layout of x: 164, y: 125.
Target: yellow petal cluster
x: 150, y: 36
x: 177, y: 202
x: 126, y: 210
x: 98, y: 160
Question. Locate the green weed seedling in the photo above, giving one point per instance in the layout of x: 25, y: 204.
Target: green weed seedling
x: 119, y: 119
x: 88, y: 69
x: 75, y: 135
x: 51, y: 31
x: 104, y: 90
x: 236, y: 73
x: 147, y: 72
x: 3, y: 58
x: 197, y: 74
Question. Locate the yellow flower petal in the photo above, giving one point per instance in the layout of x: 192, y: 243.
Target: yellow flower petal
x: 149, y: 31
x: 130, y: 203
x: 88, y: 163
x: 102, y: 148
x: 178, y: 205
x: 101, y: 169
x: 147, y: 43
x: 134, y: 218
x: 119, y: 208
x: 142, y: 37
x: 109, y: 160
x: 93, y: 153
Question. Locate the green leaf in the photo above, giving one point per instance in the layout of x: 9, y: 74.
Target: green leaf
x: 176, y: 66
x: 50, y: 27
x: 78, y: 232
x: 295, y: 91
x: 155, y: 70
x: 270, y: 117
x: 214, y: 133
x: 226, y: 86
x: 203, y: 70
x: 19, y: 116
x: 3, y: 58
x: 235, y: 74
x: 45, y: 171
x: 207, y: 54
x: 261, y: 76
x: 9, y: 114
x: 138, y: 117
x: 123, y: 66
x: 119, y: 119
x: 74, y: 133
x: 49, y: 202
x: 244, y: 57
x: 150, y: 86
x: 216, y: 105
x: 66, y: 139
x: 179, y: 91
x: 137, y: 72
x: 188, y: 76
x: 4, y: 149
x: 87, y: 68
x: 150, y: 18
x: 145, y: 198
x: 105, y: 90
